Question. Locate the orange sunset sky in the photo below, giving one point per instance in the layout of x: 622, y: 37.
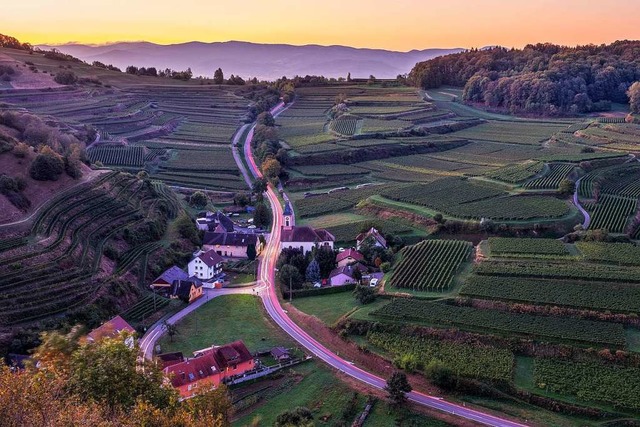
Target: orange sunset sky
x: 399, y: 25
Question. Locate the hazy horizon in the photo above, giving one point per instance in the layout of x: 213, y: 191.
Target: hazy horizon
x: 403, y: 26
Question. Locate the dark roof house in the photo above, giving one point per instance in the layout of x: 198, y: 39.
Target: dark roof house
x: 306, y: 234
x: 171, y: 275
x: 229, y: 239
x: 349, y: 253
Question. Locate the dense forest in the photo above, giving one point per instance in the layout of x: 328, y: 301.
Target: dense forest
x: 539, y: 79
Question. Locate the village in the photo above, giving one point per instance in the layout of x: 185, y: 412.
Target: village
x: 226, y: 242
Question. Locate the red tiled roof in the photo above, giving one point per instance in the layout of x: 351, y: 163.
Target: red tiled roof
x: 110, y: 329
x: 373, y: 233
x: 306, y: 234
x: 349, y: 253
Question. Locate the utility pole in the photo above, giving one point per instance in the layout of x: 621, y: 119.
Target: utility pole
x: 290, y: 290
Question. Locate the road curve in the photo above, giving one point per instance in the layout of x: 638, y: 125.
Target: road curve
x: 576, y: 202
x: 268, y: 294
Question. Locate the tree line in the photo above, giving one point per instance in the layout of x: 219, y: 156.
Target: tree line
x: 540, y: 79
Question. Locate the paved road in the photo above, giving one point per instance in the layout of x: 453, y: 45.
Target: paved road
x: 266, y: 275
x: 576, y: 202
x: 236, y: 155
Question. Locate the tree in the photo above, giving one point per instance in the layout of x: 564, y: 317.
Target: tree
x: 261, y: 216
x: 440, y: 374
x: 313, y: 272
x: 289, y: 275
x: 397, y: 388
x: 72, y: 163
x: 142, y: 175
x: 364, y: 294
x: 198, y: 200
x: 170, y: 329
x: 327, y: 260
x: 251, y: 252
x: 241, y: 199
x: 259, y: 186
x: 566, y: 187
x: 634, y: 97
x: 107, y: 372
x: 357, y: 275
x: 187, y: 228
x: 372, y: 80
x: 65, y: 77
x: 299, y: 417
x: 47, y: 166
x: 266, y: 119
x: 271, y: 168
x: 348, y: 77
x: 218, y: 76
x: 21, y: 150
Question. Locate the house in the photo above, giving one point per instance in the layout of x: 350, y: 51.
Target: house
x: 348, y: 256
x: 187, y: 290
x: 168, y: 359
x: 210, y: 367
x: 205, y: 265
x: 343, y: 275
x: 164, y: 282
x: 281, y: 354
x: 372, y: 236
x: 112, y: 329
x: 304, y: 238
x: 209, y: 221
x: 229, y: 245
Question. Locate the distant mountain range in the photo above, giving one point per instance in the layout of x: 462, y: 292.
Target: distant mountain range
x: 265, y: 61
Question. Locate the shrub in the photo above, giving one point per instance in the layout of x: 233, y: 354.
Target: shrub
x: 21, y: 150
x: 66, y: 77
x: 47, y: 166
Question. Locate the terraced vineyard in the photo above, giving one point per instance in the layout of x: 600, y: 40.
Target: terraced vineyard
x: 517, y: 173
x: 617, y: 253
x: 63, y: 251
x: 551, y: 181
x: 559, y: 270
x: 144, y: 308
x: 554, y: 328
x: 345, y: 125
x: 613, y: 212
x: 123, y: 156
x: 430, y: 265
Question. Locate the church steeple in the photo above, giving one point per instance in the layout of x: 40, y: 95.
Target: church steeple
x: 287, y: 214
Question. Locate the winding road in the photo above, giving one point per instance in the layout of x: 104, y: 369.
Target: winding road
x: 268, y: 294
x: 576, y: 202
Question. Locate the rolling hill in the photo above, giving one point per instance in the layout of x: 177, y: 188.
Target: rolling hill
x: 265, y: 61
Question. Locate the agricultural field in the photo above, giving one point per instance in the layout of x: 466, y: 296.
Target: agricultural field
x: 551, y: 181
x: 517, y: 173
x: 510, y: 246
x: 512, y: 132
x: 559, y: 270
x: 430, y: 265
x: 554, y: 328
x: 613, y: 213
x: 616, y: 253
x: 64, y: 250
x: 464, y: 359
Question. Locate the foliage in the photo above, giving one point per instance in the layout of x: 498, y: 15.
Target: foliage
x: 299, y: 417
x: 218, y: 76
x: 365, y: 294
x: 620, y: 297
x: 566, y: 329
x: 271, y: 168
x: 312, y: 273
x: 397, y: 387
x: 566, y: 187
x: 430, y: 265
x: 198, y: 200
x: 541, y: 78
x: 251, y: 252
x: 259, y: 186
x: 47, y: 166
x: 187, y: 228
x: 469, y: 360
x: 65, y: 77
x: 289, y: 276
x: 261, y: 215
x: 634, y: 97
x: 12, y: 188
x: 266, y: 119
x: 21, y: 150
x: 526, y: 246
x: 590, y: 381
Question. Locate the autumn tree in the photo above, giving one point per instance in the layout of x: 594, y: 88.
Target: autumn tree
x: 271, y: 168
x: 634, y: 97
x: 198, y: 200
x: 47, y: 166
x: 266, y: 119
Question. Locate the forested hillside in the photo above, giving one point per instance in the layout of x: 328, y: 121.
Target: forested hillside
x: 542, y: 78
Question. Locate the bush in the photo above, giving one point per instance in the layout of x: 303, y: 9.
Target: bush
x: 47, y: 166
x: 65, y: 77
x: 198, y: 200
x: 21, y: 150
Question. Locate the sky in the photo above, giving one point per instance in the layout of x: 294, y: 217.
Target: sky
x: 397, y: 25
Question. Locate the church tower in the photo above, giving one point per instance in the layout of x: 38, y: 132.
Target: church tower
x: 289, y: 220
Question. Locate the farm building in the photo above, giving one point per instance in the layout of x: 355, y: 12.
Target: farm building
x: 205, y: 265
x: 112, y: 329
x: 280, y: 354
x: 218, y: 221
x: 187, y: 290
x: 343, y: 275
x: 229, y: 245
x: 372, y: 236
x: 209, y: 367
x: 348, y: 256
x: 164, y: 282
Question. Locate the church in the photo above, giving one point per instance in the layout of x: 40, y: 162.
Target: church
x: 304, y: 238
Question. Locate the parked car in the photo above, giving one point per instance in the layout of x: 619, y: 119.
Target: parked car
x: 373, y: 282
